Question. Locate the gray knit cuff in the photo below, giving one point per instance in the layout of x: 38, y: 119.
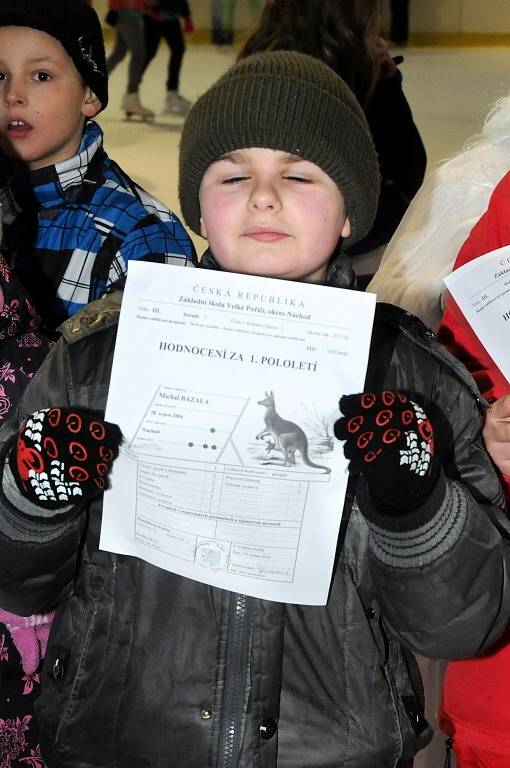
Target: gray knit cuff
x: 14, y: 497
x: 421, y: 546
x: 399, y: 520
x: 20, y: 520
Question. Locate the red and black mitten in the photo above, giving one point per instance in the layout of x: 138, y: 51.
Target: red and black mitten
x: 63, y: 456
x: 390, y: 441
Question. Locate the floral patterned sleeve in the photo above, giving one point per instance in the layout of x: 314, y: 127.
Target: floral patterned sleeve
x: 22, y: 639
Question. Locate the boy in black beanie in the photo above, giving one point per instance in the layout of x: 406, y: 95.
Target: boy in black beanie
x: 72, y: 218
x: 147, y: 668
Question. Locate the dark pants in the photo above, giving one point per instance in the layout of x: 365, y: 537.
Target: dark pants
x: 130, y: 36
x: 399, y: 32
x: 171, y: 31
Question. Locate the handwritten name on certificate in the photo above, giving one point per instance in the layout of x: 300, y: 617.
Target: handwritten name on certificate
x: 481, y: 289
x: 226, y: 389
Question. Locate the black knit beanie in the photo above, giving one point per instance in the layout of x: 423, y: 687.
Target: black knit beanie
x: 75, y: 24
x: 285, y: 101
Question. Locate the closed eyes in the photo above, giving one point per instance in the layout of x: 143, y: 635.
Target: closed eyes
x: 234, y: 179
x: 301, y: 179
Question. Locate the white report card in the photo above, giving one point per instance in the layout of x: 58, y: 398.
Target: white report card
x: 226, y: 389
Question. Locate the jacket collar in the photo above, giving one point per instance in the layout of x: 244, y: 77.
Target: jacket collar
x: 53, y: 185
x: 340, y: 272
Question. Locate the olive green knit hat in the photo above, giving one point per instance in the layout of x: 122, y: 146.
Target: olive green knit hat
x: 291, y: 102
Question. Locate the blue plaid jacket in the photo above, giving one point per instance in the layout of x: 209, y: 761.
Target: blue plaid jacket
x: 70, y: 229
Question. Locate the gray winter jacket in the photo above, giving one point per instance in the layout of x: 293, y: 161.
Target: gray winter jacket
x: 148, y: 669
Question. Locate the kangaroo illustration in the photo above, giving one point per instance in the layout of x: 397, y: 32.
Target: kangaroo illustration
x: 288, y: 437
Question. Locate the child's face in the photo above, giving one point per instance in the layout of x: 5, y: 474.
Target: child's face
x: 265, y: 212
x: 43, y: 101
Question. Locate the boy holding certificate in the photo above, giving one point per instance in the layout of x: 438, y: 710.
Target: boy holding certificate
x: 147, y: 668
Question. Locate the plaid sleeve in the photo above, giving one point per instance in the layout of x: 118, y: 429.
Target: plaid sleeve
x: 152, y: 236
x: 153, y: 240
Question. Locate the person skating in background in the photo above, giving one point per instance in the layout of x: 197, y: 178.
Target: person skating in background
x: 72, y: 218
x: 163, y: 20
x: 128, y: 19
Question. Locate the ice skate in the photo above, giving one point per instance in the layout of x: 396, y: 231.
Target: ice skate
x: 175, y: 104
x: 133, y: 108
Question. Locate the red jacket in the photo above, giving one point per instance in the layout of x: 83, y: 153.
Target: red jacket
x: 476, y: 704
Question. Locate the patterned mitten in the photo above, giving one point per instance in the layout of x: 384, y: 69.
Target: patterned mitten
x: 389, y: 439
x: 63, y: 456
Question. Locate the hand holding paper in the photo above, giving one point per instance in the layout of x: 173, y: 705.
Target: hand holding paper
x: 390, y: 440
x: 481, y: 288
x: 63, y: 456
x: 496, y: 434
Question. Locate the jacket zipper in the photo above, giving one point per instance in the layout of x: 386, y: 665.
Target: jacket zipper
x: 91, y: 616
x: 235, y: 679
